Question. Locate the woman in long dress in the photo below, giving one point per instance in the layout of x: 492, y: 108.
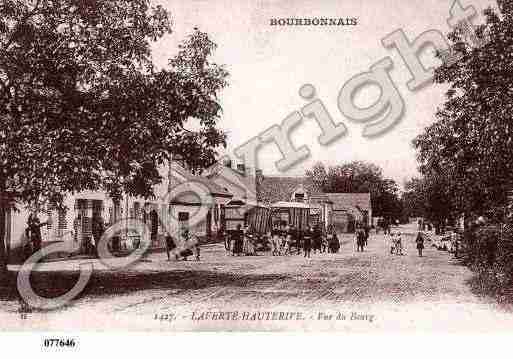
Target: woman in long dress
x: 391, y: 240
x: 333, y: 243
x: 249, y: 247
x: 420, y: 243
x: 399, y: 244
x: 238, y: 236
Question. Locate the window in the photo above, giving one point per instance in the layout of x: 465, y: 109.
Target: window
x: 183, y: 216
x: 183, y: 220
x: 137, y: 210
x: 299, y: 197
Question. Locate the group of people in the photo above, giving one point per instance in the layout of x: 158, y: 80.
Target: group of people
x: 187, y: 247
x: 242, y: 242
x: 288, y: 240
x: 396, y: 243
x: 284, y: 239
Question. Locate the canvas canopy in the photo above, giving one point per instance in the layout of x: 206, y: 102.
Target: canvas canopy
x: 294, y: 213
x: 290, y: 205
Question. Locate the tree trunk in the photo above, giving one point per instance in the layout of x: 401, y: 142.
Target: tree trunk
x: 3, y: 254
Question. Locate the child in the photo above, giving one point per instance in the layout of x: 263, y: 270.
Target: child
x: 288, y: 244
x: 275, y: 242
x: 324, y: 244
x: 399, y: 245
x: 283, y: 244
x: 392, y: 243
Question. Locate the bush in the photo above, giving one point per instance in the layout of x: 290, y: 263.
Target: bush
x: 489, y: 253
x: 485, y: 246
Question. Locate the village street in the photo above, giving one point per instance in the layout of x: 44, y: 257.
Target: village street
x: 386, y: 291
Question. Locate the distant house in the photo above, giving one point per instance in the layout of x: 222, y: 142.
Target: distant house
x: 343, y: 210
x: 195, y: 195
x: 351, y: 208
x: 272, y: 189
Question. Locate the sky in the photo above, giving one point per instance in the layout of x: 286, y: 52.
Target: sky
x: 268, y: 65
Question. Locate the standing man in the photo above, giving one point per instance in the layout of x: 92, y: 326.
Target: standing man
x: 34, y: 230
x: 294, y: 240
x: 455, y: 239
x: 366, y: 229
x: 307, y: 242
x: 360, y: 239
x: 98, y: 228
x: 237, y: 240
x: 386, y: 226
x: 154, y: 228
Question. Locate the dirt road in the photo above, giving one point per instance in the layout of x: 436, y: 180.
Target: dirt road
x: 348, y: 291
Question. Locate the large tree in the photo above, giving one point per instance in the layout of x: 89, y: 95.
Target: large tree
x: 82, y: 106
x: 429, y: 197
x: 470, y: 144
x: 360, y: 177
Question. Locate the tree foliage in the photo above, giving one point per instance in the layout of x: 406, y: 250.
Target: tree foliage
x: 360, y: 177
x: 82, y: 106
x: 469, y: 147
x: 428, y: 197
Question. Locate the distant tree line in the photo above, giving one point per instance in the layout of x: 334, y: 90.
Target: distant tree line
x: 360, y: 177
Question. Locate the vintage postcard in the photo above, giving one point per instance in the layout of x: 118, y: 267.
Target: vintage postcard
x: 256, y: 166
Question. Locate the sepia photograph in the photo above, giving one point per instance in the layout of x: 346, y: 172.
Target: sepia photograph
x: 173, y: 166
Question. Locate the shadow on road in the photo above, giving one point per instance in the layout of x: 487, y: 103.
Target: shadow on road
x: 105, y: 284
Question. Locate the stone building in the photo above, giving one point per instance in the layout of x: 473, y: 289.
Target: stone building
x: 273, y: 189
x: 350, y: 209
x: 343, y: 210
x: 196, y: 201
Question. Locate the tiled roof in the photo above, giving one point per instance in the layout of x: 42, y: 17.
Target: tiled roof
x: 341, y: 201
x: 241, y: 180
x: 274, y: 189
x: 181, y: 175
